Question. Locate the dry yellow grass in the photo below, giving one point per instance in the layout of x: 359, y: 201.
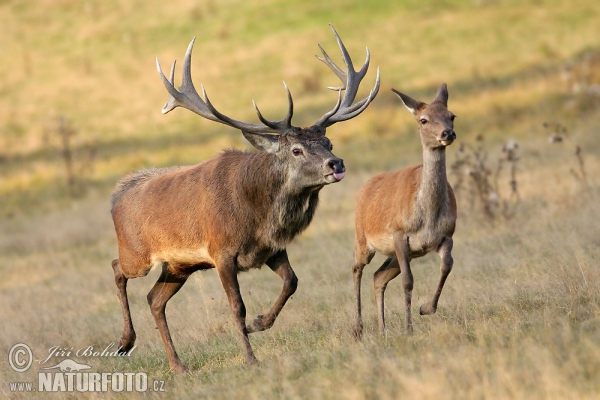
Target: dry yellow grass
x: 520, y: 317
x: 520, y: 314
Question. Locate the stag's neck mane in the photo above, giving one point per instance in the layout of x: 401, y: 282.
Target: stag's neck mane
x: 281, y: 210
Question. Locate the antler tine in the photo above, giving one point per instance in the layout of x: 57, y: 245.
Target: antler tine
x: 333, y: 111
x: 336, y: 70
x: 286, y: 122
x: 188, y: 97
x: 351, y: 79
x: 359, y: 107
x: 171, y: 103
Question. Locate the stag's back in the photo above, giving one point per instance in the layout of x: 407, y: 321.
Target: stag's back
x: 179, y: 213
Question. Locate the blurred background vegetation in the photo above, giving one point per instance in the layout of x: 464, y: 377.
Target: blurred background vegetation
x: 79, y: 80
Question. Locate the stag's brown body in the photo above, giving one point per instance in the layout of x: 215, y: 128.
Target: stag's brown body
x: 234, y: 212
x: 236, y: 203
x: 408, y: 213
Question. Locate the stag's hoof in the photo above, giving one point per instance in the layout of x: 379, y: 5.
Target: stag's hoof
x: 126, y: 344
x: 258, y: 325
x: 427, y: 309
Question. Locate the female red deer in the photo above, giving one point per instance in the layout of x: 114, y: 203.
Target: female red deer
x: 234, y: 212
x: 408, y: 213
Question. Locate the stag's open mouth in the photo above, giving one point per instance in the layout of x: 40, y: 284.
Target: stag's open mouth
x: 334, y: 177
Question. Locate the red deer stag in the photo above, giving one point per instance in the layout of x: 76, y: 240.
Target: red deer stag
x: 234, y: 212
x: 408, y: 213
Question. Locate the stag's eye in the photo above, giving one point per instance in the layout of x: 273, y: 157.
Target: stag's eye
x: 452, y: 118
x: 297, y: 152
x: 423, y: 121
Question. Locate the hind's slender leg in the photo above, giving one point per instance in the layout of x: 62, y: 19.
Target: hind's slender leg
x: 362, y: 256
x: 280, y: 264
x: 388, y: 271
x: 128, y: 337
x: 445, y: 252
x: 167, y: 285
x: 401, y: 246
x: 357, y: 271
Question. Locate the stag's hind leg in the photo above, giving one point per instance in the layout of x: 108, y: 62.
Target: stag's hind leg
x: 128, y: 337
x: 445, y: 252
x: 167, y: 285
x: 280, y: 264
x: 388, y: 271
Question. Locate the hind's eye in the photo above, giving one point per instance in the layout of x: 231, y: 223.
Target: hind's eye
x: 297, y: 152
x: 423, y: 121
x: 452, y: 117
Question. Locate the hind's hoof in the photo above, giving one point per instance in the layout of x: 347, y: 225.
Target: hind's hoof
x: 427, y: 309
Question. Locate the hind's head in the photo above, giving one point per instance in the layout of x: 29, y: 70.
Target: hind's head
x: 436, y: 122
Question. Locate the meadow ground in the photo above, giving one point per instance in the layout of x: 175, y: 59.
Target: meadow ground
x: 520, y: 314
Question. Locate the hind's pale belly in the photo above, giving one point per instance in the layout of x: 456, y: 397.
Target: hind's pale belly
x: 383, y: 244
x: 420, y: 243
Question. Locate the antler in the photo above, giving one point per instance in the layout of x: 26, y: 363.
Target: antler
x: 188, y: 97
x: 344, y: 109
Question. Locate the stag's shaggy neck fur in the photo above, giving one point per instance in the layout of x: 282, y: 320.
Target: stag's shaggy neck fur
x: 280, y: 210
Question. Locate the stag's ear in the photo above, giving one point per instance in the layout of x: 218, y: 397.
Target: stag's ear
x: 268, y: 143
x: 411, y: 104
x: 442, y: 95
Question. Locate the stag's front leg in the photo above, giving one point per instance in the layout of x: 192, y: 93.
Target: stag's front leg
x: 445, y: 252
x: 228, y: 274
x: 280, y: 264
x: 401, y: 246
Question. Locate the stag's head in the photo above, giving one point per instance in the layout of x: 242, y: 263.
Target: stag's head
x: 436, y: 122
x: 306, y: 152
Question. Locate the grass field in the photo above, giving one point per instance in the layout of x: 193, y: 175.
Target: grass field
x: 520, y: 313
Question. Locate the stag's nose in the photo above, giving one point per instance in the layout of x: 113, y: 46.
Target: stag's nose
x: 337, y: 166
x: 448, y: 134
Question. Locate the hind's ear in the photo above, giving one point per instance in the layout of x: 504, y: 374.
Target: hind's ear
x: 268, y: 143
x: 442, y: 95
x: 411, y: 104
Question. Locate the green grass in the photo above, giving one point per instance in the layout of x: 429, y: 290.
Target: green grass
x: 520, y: 314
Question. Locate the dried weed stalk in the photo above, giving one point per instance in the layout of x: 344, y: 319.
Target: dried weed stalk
x: 478, y: 180
x: 560, y: 134
x: 78, y: 160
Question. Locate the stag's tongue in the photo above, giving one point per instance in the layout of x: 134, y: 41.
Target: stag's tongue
x: 339, y: 175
